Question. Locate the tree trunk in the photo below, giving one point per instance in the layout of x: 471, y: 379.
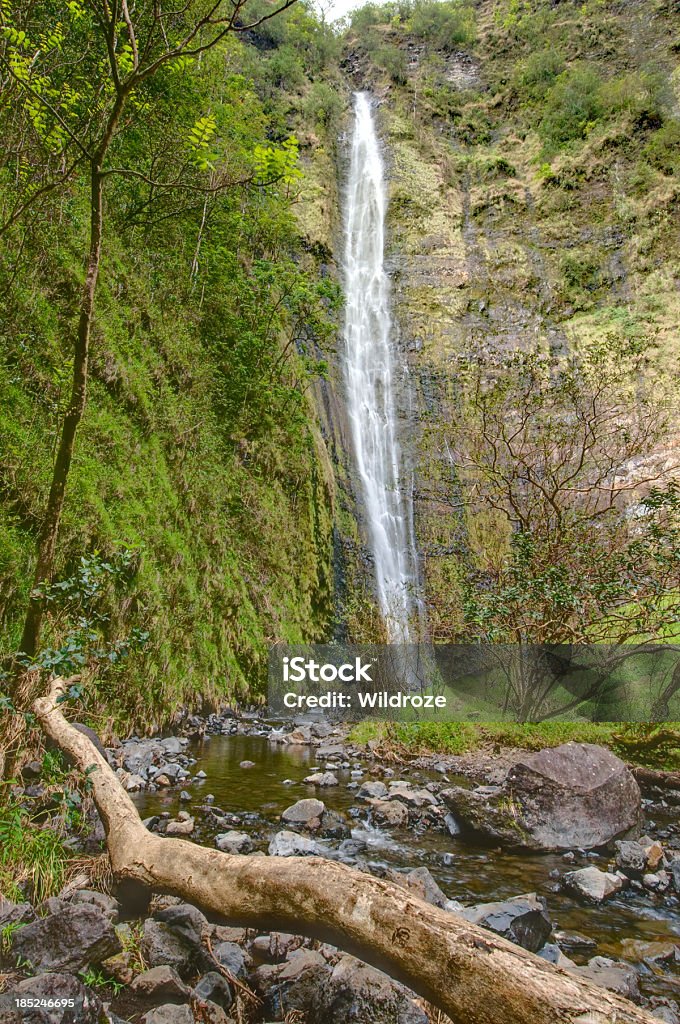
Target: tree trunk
x: 47, y: 541
x: 471, y: 974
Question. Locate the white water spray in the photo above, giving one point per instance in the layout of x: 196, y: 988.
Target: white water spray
x: 369, y: 375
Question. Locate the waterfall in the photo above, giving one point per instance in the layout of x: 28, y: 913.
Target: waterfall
x: 369, y: 376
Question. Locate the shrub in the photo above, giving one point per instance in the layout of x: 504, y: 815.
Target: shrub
x: 573, y: 105
x: 392, y: 60
x: 323, y: 105
x: 538, y: 72
x: 663, y: 149
x: 446, y: 24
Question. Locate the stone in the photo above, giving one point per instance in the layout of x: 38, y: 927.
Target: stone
x: 333, y: 826
x: 67, y: 941
x: 231, y: 956
x: 88, y: 1006
x: 173, y: 745
x: 120, y: 967
x: 554, y: 955
x: 163, y: 948
x: 233, y: 842
x: 160, y: 983
x: 292, y: 985
x: 523, y: 920
x: 674, y: 870
x: 180, y: 828
x: 247, y: 764
x: 169, y: 1013
x: 15, y: 913
x: 212, y: 987
x: 593, y: 885
x: 612, y: 975
x: 631, y: 858
x: 107, y: 904
x: 372, y: 791
x: 390, y: 812
x: 322, y: 779
x: 420, y: 882
x: 133, y: 783
x: 665, y: 1009
x: 577, y: 795
x: 290, y: 844
x: 572, y: 942
x: 354, y: 993
x: 415, y: 797
x: 304, y: 813
x: 186, y: 921
x: 654, y: 854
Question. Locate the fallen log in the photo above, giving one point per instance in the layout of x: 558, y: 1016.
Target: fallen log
x: 474, y: 976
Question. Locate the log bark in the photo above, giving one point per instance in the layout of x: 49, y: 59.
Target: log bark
x: 474, y: 976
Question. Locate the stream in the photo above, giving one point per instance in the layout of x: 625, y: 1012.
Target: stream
x: 256, y: 796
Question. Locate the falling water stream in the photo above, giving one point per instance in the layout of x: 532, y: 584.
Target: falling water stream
x: 369, y: 373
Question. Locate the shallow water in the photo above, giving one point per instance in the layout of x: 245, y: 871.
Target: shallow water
x: 465, y: 871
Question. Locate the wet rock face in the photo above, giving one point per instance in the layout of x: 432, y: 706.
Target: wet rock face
x: 68, y: 940
x: 523, y: 920
x: 577, y: 795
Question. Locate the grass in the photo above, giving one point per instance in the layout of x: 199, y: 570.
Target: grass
x: 653, y: 745
x: 33, y: 856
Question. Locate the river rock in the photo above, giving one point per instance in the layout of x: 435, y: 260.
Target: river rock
x: 593, y: 885
x: 180, y: 828
x: 372, y: 791
x: 88, y: 1006
x: 577, y: 795
x: 421, y: 883
x: 523, y: 920
x: 333, y: 826
x: 233, y: 842
x: 304, y: 813
x: 390, y: 812
x: 355, y: 993
x: 414, y: 797
x: 631, y: 858
x: 169, y: 1013
x: 293, y: 985
x: 186, y: 921
x: 674, y: 869
x: 613, y: 975
x: 666, y: 1010
x: 67, y: 941
x: 107, y: 904
x: 212, y: 987
x: 162, y: 983
x: 322, y: 779
x: 290, y: 844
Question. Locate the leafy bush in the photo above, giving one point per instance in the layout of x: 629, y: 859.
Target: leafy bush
x: 538, y: 72
x: 323, y: 105
x: 663, y: 149
x: 573, y: 105
x: 446, y: 24
x: 392, y: 60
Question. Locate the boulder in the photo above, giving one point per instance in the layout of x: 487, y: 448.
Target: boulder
x: 577, y: 795
x: 293, y: 985
x: 414, y: 797
x: 304, y: 814
x: 88, y: 1007
x: 333, y: 826
x: 231, y: 956
x: 390, y: 812
x: 233, y: 842
x: 674, y: 869
x: 107, y: 904
x: 212, y: 987
x: 67, y: 941
x: 372, y: 791
x: 523, y: 920
x: 631, y: 858
x: 161, y: 983
x: 162, y: 947
x: 180, y: 828
x: 420, y: 882
x: 290, y: 844
x: 322, y: 779
x: 593, y: 885
x: 355, y: 993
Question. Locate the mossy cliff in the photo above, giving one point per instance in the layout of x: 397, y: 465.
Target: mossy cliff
x: 534, y: 161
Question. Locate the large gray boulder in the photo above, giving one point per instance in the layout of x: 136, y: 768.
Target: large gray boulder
x: 577, y: 795
x: 67, y: 941
x: 293, y: 985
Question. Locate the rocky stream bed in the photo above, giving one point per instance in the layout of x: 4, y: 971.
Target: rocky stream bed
x: 555, y: 851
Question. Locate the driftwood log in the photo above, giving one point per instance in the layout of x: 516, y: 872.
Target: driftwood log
x: 474, y: 976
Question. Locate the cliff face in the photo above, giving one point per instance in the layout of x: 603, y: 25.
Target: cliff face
x: 535, y: 185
